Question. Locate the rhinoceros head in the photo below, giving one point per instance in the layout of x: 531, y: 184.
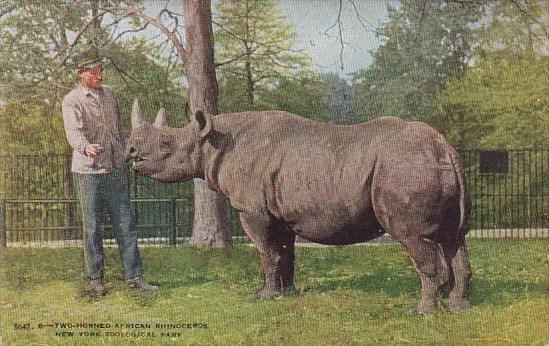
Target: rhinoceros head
x: 163, y: 153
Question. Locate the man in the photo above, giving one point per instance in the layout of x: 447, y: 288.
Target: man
x: 92, y: 125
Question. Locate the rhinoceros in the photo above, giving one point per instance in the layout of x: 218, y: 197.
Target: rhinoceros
x: 289, y: 176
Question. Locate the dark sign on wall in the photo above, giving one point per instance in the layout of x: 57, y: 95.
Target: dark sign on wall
x: 494, y: 161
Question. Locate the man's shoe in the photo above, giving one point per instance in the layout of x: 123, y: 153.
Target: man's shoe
x: 140, y: 284
x: 97, y: 286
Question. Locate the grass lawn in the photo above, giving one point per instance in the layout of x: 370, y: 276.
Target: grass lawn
x: 357, y: 295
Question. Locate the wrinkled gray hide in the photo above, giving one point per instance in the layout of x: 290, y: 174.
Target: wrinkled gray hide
x: 289, y: 176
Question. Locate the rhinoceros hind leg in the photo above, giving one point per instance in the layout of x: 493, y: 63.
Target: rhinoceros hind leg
x: 457, y: 257
x: 287, y: 260
x: 427, y: 302
x: 432, y: 270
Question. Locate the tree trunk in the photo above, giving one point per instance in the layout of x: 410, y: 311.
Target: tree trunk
x: 210, y: 226
x: 250, y: 90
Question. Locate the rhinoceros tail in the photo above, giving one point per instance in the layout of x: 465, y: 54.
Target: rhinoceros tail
x: 464, y: 202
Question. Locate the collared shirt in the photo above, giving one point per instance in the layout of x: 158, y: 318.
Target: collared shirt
x: 91, y: 116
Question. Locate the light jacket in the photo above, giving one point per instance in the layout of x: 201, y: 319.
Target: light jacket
x: 91, y: 116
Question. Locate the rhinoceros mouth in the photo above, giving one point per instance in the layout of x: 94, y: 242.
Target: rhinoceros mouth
x: 135, y: 161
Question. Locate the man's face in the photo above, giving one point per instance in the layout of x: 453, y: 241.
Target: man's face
x: 92, y: 77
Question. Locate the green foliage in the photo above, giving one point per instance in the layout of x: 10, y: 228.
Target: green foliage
x: 28, y: 129
x: 233, y: 95
x: 345, y: 295
x: 37, y: 59
x: 424, y: 43
x: 37, y: 73
x: 253, y: 51
x: 304, y: 95
x: 516, y: 26
x: 31, y: 129
x: 501, y: 102
x: 339, y: 96
x: 477, y: 71
x: 146, y: 76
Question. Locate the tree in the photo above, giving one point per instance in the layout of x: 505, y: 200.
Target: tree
x: 210, y: 209
x: 37, y: 37
x: 517, y: 25
x: 254, y: 49
x: 28, y: 129
x: 141, y: 71
x: 304, y: 94
x: 42, y: 38
x: 210, y: 227
x: 500, y: 103
x: 501, y: 100
x: 340, y: 99
x: 37, y: 71
x: 424, y: 44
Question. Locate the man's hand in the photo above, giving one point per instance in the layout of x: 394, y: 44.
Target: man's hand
x: 93, y: 150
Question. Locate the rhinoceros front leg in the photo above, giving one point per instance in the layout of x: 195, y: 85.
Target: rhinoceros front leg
x: 276, y: 250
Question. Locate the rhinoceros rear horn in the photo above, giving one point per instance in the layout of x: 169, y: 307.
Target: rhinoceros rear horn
x: 161, y: 122
x: 202, y: 123
x: 137, y: 117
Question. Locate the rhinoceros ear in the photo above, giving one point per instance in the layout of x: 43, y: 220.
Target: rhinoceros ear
x: 137, y: 117
x: 202, y: 123
x: 188, y: 111
x: 161, y: 122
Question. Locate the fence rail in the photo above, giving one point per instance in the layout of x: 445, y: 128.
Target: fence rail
x: 44, y: 221
x: 509, y: 189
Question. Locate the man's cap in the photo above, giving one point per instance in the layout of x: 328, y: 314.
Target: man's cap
x: 89, y: 58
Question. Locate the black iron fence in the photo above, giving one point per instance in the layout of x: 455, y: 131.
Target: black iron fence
x: 58, y: 221
x: 509, y: 189
x: 510, y: 197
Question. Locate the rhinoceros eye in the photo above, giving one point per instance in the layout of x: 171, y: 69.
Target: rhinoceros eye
x: 165, y: 144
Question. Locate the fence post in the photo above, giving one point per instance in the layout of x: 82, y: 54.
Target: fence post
x: 69, y: 217
x: 3, y: 226
x: 173, y: 234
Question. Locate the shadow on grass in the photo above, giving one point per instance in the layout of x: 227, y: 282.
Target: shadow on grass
x: 370, y: 269
x: 486, y: 291
x: 391, y: 284
x: 22, y: 269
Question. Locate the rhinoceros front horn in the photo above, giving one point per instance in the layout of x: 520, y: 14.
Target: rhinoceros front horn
x: 161, y: 122
x: 137, y: 117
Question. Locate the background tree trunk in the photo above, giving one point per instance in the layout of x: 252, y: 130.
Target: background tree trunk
x: 210, y: 226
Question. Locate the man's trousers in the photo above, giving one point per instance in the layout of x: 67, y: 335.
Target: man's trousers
x: 107, y: 193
